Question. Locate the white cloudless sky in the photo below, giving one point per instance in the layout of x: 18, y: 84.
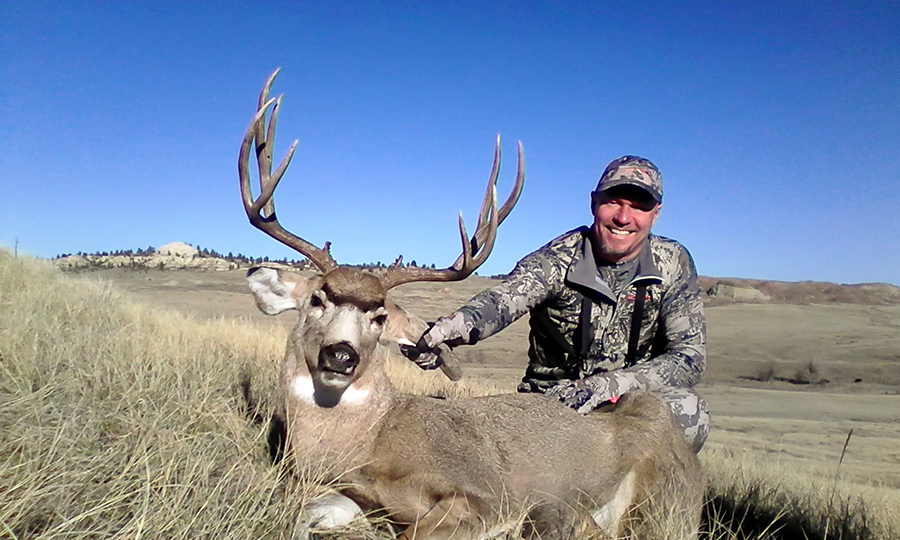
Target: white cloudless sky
x: 776, y: 125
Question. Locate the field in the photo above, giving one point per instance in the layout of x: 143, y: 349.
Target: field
x: 790, y: 415
x: 124, y: 389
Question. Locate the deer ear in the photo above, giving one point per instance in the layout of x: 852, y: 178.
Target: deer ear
x: 403, y: 327
x: 275, y: 291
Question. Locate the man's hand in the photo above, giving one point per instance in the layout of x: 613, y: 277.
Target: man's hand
x: 573, y: 394
x: 450, y: 331
x: 423, y: 357
x: 583, y: 395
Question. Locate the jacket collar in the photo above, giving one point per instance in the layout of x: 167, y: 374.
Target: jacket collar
x: 583, y: 272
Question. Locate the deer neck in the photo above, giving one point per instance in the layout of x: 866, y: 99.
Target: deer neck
x: 327, y: 441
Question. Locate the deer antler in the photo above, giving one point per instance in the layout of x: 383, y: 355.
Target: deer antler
x: 261, y: 211
x: 477, y: 249
x: 478, y: 238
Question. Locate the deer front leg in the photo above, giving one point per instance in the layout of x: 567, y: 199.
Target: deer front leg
x: 556, y: 521
x: 327, y: 512
x: 450, y: 517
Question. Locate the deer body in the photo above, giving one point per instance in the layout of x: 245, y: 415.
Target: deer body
x: 460, y: 467
x: 456, y: 468
x: 476, y: 462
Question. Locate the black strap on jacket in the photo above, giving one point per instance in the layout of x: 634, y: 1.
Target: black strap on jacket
x: 635, y: 333
x: 570, y: 362
x: 584, y: 335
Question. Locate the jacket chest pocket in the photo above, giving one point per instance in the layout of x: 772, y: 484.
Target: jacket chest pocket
x: 650, y: 312
x: 615, y: 334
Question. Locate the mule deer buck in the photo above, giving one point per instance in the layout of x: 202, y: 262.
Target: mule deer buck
x: 455, y: 468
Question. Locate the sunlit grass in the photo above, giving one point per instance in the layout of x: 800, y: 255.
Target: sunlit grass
x: 754, y: 493
x: 117, y: 420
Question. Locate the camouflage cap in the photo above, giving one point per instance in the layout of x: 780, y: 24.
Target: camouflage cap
x: 634, y: 171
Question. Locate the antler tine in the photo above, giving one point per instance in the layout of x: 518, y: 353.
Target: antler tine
x: 479, y: 237
x: 472, y: 259
x: 244, y: 162
x: 483, y: 213
x: 513, y: 198
x: 265, y: 138
x: 477, y: 249
x: 261, y: 211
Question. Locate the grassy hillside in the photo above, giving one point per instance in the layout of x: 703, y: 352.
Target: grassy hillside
x: 117, y: 420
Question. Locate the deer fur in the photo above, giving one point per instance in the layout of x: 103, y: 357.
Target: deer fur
x: 461, y: 468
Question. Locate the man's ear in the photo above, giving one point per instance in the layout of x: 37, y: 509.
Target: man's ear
x: 656, y: 214
x: 275, y: 291
x: 595, y: 201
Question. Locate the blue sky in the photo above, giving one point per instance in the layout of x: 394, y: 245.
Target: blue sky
x: 776, y: 125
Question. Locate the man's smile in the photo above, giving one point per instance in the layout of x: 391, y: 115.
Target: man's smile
x: 619, y: 232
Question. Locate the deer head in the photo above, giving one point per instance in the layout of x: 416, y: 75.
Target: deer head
x: 344, y: 313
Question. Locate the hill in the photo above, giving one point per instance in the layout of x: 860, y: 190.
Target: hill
x: 716, y: 290
x: 725, y: 290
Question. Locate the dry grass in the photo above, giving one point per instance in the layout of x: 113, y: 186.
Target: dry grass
x: 121, y: 421
x: 766, y: 499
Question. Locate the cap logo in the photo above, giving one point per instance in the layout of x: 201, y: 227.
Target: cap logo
x: 632, y: 169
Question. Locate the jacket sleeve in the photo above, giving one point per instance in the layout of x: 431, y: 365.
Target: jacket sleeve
x: 534, y: 279
x: 682, y: 328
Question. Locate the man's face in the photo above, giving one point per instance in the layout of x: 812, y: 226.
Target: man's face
x: 623, y: 216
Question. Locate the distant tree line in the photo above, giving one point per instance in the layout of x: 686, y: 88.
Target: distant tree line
x: 202, y: 252
x: 139, y: 252
x: 239, y: 258
x: 379, y: 264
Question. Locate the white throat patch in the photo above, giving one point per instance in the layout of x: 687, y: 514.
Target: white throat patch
x: 303, y: 388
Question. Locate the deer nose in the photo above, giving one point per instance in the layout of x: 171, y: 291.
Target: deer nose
x: 339, y: 357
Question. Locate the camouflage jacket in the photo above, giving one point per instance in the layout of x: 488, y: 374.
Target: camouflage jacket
x: 550, y: 284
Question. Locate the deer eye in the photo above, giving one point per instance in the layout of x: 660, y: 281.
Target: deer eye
x: 380, y: 320
x: 315, y: 301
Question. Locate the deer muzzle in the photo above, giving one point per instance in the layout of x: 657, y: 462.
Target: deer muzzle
x: 339, y: 359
